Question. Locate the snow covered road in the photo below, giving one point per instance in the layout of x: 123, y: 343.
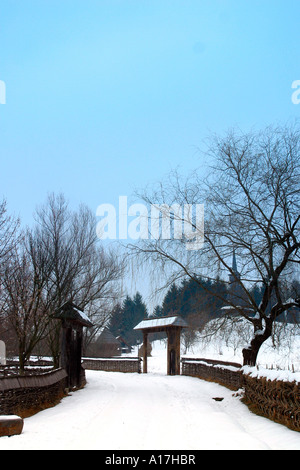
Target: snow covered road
x: 118, y: 411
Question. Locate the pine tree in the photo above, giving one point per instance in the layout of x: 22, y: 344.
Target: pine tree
x: 116, y: 325
x: 158, y: 311
x: 124, y: 318
x: 170, y: 303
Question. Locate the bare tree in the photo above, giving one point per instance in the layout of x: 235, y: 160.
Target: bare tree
x: 80, y: 269
x: 59, y: 260
x: 9, y: 238
x: 8, y: 231
x: 252, y: 208
x: 24, y: 306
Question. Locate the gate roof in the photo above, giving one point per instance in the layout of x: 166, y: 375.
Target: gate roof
x: 72, y: 312
x: 161, y: 323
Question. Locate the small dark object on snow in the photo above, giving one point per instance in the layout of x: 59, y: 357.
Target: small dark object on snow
x: 218, y: 398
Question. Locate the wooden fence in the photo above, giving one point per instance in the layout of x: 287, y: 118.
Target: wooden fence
x: 14, y: 370
x: 225, y: 373
x: 124, y: 364
x: 24, y: 395
x: 277, y: 400
x: 28, y: 394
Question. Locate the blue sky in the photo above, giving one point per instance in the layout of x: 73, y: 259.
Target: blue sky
x: 106, y: 96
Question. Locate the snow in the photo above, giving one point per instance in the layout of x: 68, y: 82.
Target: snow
x: 2, y: 353
x: 117, y: 411
x: 281, y: 375
x: 83, y: 316
x: 226, y: 344
x: 8, y: 417
x: 220, y: 366
x: 161, y: 322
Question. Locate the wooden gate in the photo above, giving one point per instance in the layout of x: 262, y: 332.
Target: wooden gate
x: 172, y: 326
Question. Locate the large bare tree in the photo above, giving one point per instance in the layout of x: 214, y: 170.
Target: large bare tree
x: 59, y: 260
x: 24, y: 304
x: 9, y: 238
x: 251, y: 197
x: 81, y: 270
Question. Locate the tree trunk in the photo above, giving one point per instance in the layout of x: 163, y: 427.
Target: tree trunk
x: 56, y: 361
x: 251, y: 352
x: 22, y: 362
x: 250, y: 356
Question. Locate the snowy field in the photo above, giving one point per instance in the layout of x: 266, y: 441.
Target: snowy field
x: 282, y: 352
x: 151, y: 411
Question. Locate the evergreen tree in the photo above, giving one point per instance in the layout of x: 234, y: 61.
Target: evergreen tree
x: 195, y: 300
x: 116, y: 321
x: 127, y: 318
x: 140, y: 309
x: 124, y: 318
x: 170, y: 303
x: 158, y: 311
x: 139, y: 314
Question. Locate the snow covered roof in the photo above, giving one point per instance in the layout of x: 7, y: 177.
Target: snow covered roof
x: 70, y: 311
x: 161, y: 322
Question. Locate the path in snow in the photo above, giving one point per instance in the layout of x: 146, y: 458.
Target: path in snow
x: 154, y: 412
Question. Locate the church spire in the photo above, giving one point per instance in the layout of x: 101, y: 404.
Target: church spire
x: 234, y: 265
x: 235, y: 274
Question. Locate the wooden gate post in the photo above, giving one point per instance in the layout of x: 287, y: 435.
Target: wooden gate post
x: 173, y: 352
x: 73, y: 320
x: 145, y: 351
